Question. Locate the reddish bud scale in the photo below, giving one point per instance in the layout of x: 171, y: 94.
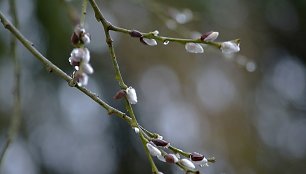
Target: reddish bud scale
x: 204, y: 35
x: 195, y: 156
x: 170, y: 158
x: 75, y: 39
x: 119, y: 95
x: 75, y: 63
x: 160, y: 142
x: 135, y: 33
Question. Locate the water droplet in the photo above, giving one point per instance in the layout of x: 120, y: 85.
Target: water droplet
x: 166, y: 42
x: 250, y: 66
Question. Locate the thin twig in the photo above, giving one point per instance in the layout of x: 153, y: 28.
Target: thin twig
x: 72, y: 13
x: 83, y: 16
x: 16, y: 117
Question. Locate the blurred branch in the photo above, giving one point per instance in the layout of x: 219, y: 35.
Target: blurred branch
x: 148, y: 35
x: 57, y: 71
x: 72, y: 13
x: 16, y: 117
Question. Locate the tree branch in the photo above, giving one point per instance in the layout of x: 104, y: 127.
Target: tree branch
x: 57, y: 71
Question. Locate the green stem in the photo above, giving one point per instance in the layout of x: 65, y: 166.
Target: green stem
x: 16, y: 117
x: 57, y: 71
x: 84, y: 7
x: 107, y: 26
x: 144, y: 143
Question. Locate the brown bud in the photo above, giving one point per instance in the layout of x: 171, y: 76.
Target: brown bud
x: 204, y: 35
x: 135, y: 33
x: 120, y: 94
x: 171, y: 158
x: 161, y: 143
x: 75, y: 39
x: 195, y: 156
x: 209, y: 36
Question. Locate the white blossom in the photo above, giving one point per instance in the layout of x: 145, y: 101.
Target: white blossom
x: 87, y: 68
x: 79, y: 54
x: 161, y: 158
x: 131, y: 95
x: 194, y: 48
x: 230, y: 47
x: 151, y: 42
x: 187, y: 163
x: 81, y: 78
x: 85, y: 38
x: 154, y: 151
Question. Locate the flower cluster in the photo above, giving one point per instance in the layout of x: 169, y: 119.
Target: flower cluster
x: 157, y: 148
x: 146, y: 41
x: 80, y: 56
x: 228, y: 47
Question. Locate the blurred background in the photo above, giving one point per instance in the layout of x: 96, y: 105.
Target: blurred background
x: 247, y: 110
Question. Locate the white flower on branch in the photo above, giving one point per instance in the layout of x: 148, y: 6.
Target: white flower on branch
x: 150, y: 42
x: 79, y: 54
x: 86, y: 67
x: 154, y: 151
x: 85, y: 38
x: 80, y: 77
x: 188, y: 164
x: 131, y: 95
x: 161, y: 158
x: 194, y: 48
x: 230, y: 47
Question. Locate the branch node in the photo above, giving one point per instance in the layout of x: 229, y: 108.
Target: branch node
x: 72, y: 83
x: 49, y: 69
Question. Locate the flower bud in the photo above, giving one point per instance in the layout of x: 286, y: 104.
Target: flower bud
x: 171, y: 158
x: 161, y: 158
x: 85, y: 38
x: 131, y: 95
x: 150, y: 42
x: 210, y: 36
x: 198, y: 159
x: 194, y: 48
x: 79, y: 54
x: 75, y: 39
x: 80, y: 77
x: 154, y: 151
x: 87, y: 68
x: 120, y: 94
x: 161, y: 143
x: 230, y: 47
x: 188, y: 164
x: 135, y: 33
